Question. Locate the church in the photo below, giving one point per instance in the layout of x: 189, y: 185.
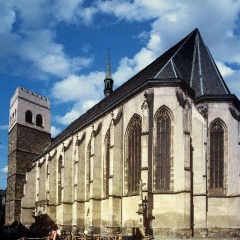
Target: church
x: 160, y: 154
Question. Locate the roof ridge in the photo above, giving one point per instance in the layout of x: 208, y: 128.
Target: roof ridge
x: 175, y: 53
x: 217, y: 71
x: 199, y: 66
x: 193, y: 63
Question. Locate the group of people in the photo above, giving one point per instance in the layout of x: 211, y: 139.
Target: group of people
x: 18, y: 231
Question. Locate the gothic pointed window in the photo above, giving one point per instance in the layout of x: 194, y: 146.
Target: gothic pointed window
x: 60, y: 164
x: 162, y: 171
x: 28, y: 116
x: 216, y: 155
x: 106, y: 165
x: 39, y: 120
x: 133, y: 154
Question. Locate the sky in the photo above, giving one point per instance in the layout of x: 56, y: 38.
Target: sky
x: 59, y: 48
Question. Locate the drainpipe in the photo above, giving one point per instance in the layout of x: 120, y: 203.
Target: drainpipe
x: 206, y: 170
x: 191, y: 189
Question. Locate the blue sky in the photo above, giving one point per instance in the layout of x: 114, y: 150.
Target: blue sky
x: 59, y: 48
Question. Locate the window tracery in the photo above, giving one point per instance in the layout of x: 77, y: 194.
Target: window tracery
x: 133, y: 154
x: 217, y: 155
x: 162, y: 173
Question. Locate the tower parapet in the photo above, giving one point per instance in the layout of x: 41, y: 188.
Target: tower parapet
x: 29, y: 109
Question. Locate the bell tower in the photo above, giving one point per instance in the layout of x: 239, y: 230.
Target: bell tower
x: 28, y: 135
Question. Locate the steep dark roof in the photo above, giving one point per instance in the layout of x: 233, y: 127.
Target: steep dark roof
x: 189, y: 60
x: 193, y: 63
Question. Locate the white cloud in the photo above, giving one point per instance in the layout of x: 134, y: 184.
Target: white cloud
x: 78, y: 109
x: 224, y: 70
x: 231, y: 78
x: 4, y: 170
x: 32, y: 40
x: 66, y: 10
x: 55, y: 131
x: 137, y: 10
x: 128, y: 67
x: 84, y: 90
x: 3, y: 127
x: 48, y: 56
x: 7, y: 17
x: 68, y: 117
x: 75, y: 88
x: 233, y: 83
x: 88, y: 104
x: 73, y: 12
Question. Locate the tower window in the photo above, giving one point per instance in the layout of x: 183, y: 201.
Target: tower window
x: 28, y: 116
x: 39, y: 120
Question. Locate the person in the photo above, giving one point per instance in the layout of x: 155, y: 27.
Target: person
x: 59, y: 232
x: 53, y: 234
x: 69, y: 237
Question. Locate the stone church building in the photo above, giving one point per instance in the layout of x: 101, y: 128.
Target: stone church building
x: 159, y: 154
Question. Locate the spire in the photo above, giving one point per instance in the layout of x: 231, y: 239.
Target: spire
x: 108, y: 81
x: 108, y: 66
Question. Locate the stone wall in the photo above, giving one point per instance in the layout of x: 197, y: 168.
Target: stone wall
x: 187, y: 208
x: 25, y: 144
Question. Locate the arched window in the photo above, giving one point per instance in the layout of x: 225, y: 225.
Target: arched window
x: 106, y: 164
x: 216, y: 155
x: 60, y: 165
x: 28, y: 116
x: 39, y: 120
x: 162, y: 173
x: 133, y: 154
